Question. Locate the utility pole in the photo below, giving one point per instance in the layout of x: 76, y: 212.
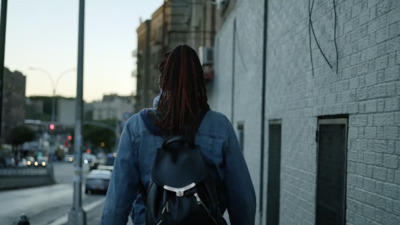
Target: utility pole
x: 77, y: 216
x: 3, y: 22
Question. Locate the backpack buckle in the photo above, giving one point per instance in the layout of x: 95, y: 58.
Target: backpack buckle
x: 179, y: 191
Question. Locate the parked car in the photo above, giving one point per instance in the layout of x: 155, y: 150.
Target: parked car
x: 109, y: 162
x: 69, y: 158
x: 96, y: 163
x: 30, y: 160
x: 9, y: 162
x: 41, y: 161
x: 97, y: 181
x: 22, y: 162
x: 88, y: 158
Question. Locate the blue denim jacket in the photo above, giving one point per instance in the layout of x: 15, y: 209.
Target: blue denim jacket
x: 135, y: 156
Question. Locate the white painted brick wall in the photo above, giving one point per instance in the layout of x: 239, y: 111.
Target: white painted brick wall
x: 247, y: 73
x: 366, y: 87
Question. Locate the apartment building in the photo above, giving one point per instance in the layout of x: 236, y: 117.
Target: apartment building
x: 13, y: 109
x: 173, y: 23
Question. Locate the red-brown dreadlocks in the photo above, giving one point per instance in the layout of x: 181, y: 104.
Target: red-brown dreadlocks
x: 184, y: 95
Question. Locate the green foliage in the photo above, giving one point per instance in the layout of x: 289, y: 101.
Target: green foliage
x: 21, y: 134
x: 94, y: 135
x: 100, y: 136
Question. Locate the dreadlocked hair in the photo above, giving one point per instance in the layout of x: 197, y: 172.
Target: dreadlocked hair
x: 184, y: 95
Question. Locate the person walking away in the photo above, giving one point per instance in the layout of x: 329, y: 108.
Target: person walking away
x: 182, y: 110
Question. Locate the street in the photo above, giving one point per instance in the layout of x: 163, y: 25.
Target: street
x: 47, y: 204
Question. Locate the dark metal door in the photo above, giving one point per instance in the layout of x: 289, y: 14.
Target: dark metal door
x: 274, y: 171
x: 331, y: 175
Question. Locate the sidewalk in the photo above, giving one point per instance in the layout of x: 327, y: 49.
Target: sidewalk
x: 93, y: 214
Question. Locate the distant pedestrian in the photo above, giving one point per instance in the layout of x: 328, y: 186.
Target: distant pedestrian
x: 181, y: 109
x: 23, y: 220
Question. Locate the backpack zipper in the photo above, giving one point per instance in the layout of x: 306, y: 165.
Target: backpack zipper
x: 166, y: 207
x: 197, y: 198
x: 200, y: 202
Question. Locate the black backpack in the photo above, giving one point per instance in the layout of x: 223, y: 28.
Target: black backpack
x: 181, y: 192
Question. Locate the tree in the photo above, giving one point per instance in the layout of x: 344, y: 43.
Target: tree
x: 99, y: 137
x: 21, y: 134
x: 99, y: 134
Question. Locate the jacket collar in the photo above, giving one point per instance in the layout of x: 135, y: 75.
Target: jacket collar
x: 149, y: 120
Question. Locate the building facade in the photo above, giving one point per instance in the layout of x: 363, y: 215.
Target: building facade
x: 143, y: 66
x: 13, y: 102
x: 112, y: 107
x: 174, y: 22
x: 321, y: 124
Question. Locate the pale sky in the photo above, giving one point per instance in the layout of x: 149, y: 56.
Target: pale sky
x: 43, y: 34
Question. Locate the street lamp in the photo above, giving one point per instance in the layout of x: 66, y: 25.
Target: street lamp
x: 54, y: 87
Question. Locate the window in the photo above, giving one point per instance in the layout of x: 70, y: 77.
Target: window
x: 331, y: 171
x: 274, y: 172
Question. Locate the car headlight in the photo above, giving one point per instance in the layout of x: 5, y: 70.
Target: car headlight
x: 43, y: 163
x: 28, y: 163
x: 86, y: 161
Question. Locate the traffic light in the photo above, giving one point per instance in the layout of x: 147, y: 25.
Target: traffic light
x: 52, y: 126
x: 69, y: 137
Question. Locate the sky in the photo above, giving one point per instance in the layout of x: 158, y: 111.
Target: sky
x: 42, y: 44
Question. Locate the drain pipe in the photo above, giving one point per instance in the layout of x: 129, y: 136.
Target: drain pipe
x: 263, y: 97
x: 233, y: 72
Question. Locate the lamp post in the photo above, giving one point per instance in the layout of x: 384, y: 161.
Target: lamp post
x: 54, y: 87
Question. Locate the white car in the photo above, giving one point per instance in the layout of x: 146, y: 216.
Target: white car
x: 88, y: 158
x: 22, y: 162
x: 97, y: 181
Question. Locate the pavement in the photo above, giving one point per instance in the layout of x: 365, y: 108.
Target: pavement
x: 93, y: 214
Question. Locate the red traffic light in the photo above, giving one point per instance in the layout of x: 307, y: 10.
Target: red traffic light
x: 52, y: 126
x: 69, y: 137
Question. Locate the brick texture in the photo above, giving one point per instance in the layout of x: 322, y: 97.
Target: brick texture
x: 364, y: 83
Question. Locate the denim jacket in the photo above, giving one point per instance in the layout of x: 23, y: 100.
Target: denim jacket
x: 135, y: 156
